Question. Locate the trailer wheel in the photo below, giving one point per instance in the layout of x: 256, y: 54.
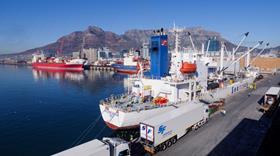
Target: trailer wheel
x: 163, y: 147
x: 195, y: 127
x: 157, y: 149
x: 168, y: 143
x: 199, y: 124
x: 174, y: 140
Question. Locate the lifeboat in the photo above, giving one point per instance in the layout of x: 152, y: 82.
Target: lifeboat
x: 160, y: 101
x: 188, y: 68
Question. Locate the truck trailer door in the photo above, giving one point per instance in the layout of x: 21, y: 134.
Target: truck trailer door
x: 147, y: 132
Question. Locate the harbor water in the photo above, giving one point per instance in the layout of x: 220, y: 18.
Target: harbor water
x: 45, y: 112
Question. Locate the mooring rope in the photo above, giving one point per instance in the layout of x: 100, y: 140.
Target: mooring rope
x: 85, y: 132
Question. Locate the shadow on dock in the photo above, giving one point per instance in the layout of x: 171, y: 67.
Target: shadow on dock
x: 246, y: 138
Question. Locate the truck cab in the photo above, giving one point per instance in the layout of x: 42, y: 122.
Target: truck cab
x: 117, y: 146
x: 106, y: 147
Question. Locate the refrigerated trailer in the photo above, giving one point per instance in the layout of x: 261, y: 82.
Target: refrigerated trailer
x: 162, y: 131
x: 271, y: 98
x: 106, y: 147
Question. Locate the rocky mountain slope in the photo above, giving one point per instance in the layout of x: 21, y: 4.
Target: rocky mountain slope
x: 95, y: 37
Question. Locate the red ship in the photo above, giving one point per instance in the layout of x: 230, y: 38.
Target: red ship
x: 39, y: 62
x: 62, y: 66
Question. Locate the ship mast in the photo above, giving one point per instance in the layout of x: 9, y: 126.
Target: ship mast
x: 177, y: 63
x: 176, y: 31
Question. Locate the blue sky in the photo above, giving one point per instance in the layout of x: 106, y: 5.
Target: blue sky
x: 27, y: 24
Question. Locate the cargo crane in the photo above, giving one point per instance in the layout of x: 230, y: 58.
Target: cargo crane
x: 254, y: 59
x: 208, y: 46
x: 239, y: 44
x: 246, y: 53
x: 190, y: 37
x: 222, y: 68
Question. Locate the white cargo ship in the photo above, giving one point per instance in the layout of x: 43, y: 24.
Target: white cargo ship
x: 166, y: 90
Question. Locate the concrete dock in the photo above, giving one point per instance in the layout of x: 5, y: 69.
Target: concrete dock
x: 239, y: 132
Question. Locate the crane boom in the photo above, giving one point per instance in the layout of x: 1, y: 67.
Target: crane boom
x: 208, y: 45
x: 190, y: 36
x: 259, y: 43
x: 259, y: 53
x: 241, y: 41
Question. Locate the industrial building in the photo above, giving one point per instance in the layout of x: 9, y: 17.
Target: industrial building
x: 265, y: 64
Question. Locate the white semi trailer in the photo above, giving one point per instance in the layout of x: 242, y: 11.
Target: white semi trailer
x: 106, y: 147
x: 162, y: 131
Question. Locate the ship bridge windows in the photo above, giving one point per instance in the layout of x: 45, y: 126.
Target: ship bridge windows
x: 183, y: 86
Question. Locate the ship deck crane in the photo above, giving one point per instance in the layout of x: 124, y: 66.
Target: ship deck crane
x: 257, y: 45
x: 239, y: 44
x: 208, y: 46
x: 193, y: 46
x: 254, y: 59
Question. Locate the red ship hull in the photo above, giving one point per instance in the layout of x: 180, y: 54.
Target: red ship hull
x: 114, y: 127
x: 127, y: 71
x: 60, y: 66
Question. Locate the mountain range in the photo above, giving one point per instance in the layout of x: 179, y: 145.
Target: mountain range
x: 95, y: 37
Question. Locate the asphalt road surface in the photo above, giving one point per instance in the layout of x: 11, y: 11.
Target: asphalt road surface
x: 239, y: 132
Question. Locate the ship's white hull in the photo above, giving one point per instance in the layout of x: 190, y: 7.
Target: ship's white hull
x: 125, y: 120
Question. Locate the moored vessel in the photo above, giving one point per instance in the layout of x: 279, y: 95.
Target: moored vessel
x: 41, y: 62
x: 129, y: 65
x: 170, y: 86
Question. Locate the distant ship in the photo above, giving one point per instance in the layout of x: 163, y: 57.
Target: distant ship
x: 128, y: 66
x: 39, y: 61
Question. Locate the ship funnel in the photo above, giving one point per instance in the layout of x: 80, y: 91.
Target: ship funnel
x: 159, y: 54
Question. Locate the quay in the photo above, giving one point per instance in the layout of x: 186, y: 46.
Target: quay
x: 239, y: 132
x: 101, y: 68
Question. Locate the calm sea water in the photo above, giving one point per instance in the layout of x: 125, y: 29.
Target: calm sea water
x: 44, y: 112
